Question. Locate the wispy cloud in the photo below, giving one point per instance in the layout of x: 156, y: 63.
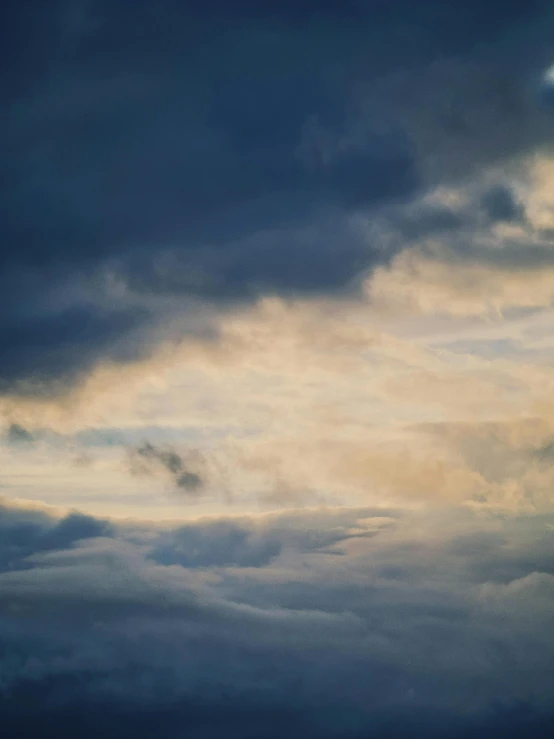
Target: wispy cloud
x: 148, y: 459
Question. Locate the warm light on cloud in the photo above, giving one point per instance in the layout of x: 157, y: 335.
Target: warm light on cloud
x: 415, y: 282
x: 277, y: 369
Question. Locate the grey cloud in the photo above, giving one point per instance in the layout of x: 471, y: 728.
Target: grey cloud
x: 18, y: 434
x: 220, y: 150
x: 148, y: 459
x: 42, y: 354
x: 221, y: 544
x: 546, y: 88
x: 464, y: 234
x: 225, y: 717
x: 462, y: 228
x: 424, y: 616
x: 74, y: 527
x: 95, y: 437
x: 427, y: 221
x: 246, y: 543
x: 546, y: 452
x: 23, y: 533
x: 500, y: 204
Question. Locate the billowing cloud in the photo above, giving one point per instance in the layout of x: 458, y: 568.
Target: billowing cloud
x: 479, y: 249
x: 343, y: 621
x: 276, y: 369
x: 25, y: 532
x: 177, y: 153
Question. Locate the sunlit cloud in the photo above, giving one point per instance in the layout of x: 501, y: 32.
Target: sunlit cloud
x: 277, y: 369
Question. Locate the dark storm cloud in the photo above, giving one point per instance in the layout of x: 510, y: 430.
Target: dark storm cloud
x: 500, y: 204
x: 464, y: 226
x: 145, y: 631
x: 227, y: 719
x: 40, y: 353
x: 23, y: 533
x: 463, y: 234
x: 218, y: 149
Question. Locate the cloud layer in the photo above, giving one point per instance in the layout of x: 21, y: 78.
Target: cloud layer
x: 276, y: 289
x: 342, y: 621
x: 187, y: 150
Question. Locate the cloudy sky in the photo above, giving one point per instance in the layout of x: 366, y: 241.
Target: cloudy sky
x: 277, y: 369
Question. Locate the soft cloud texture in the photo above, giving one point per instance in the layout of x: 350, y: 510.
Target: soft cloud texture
x: 191, y: 151
x: 276, y: 369
x: 147, y: 459
x: 368, y: 614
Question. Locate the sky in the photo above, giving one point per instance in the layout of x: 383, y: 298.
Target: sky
x: 277, y: 369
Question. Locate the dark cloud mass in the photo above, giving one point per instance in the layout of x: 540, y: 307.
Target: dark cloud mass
x: 276, y: 625
x: 23, y: 533
x: 500, y: 204
x: 167, y: 161
x: 219, y: 150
